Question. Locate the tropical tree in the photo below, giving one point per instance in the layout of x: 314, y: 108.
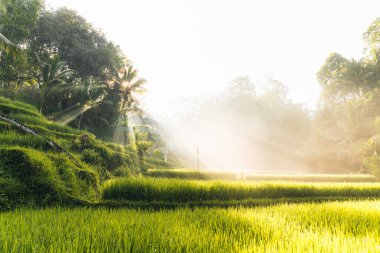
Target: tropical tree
x: 17, y: 20
x: 90, y: 93
x: 51, y: 76
x: 10, y: 55
x: 130, y: 85
x: 84, y: 48
x: 344, y: 79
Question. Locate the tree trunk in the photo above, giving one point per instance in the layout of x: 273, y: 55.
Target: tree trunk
x: 80, y: 120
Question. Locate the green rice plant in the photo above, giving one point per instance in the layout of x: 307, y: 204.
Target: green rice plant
x: 191, y: 174
x: 213, y: 175
x: 176, y: 190
x: 155, y: 162
x: 332, y: 178
x: 328, y: 227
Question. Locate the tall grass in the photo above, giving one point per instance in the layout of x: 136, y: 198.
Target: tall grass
x: 211, y: 175
x: 191, y: 174
x: 332, y: 178
x: 6, y: 103
x: 330, y: 227
x: 31, y: 120
x: 11, y: 138
x: 176, y: 190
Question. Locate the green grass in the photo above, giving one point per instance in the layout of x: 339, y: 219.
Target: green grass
x: 328, y: 227
x: 114, y: 157
x: 12, y: 106
x: 211, y: 175
x: 32, y: 177
x: 331, y: 178
x: 10, y: 138
x: 178, y: 190
x: 32, y: 120
x: 191, y: 174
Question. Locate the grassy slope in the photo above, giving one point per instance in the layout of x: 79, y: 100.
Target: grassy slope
x: 31, y: 172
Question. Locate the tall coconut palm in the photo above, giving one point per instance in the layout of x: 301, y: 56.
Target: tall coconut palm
x: 130, y: 85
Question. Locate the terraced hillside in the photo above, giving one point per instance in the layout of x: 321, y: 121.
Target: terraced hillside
x: 34, y: 171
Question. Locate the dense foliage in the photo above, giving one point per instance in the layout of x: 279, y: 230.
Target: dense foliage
x: 346, y: 126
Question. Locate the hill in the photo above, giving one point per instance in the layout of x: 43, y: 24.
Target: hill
x: 44, y: 163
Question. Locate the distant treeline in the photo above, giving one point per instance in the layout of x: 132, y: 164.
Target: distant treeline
x: 264, y: 130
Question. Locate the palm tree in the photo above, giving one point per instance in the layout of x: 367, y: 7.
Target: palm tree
x: 356, y: 77
x: 88, y: 92
x: 130, y: 85
x: 52, y: 75
x: 8, y: 52
x: 91, y: 93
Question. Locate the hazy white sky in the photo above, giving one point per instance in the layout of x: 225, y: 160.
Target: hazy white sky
x: 194, y: 47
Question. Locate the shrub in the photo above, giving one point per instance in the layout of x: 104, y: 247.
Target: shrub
x: 91, y: 157
x: 116, y: 160
x: 122, y: 172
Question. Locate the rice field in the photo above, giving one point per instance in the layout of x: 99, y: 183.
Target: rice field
x: 328, y: 227
x: 178, y: 190
x: 213, y: 175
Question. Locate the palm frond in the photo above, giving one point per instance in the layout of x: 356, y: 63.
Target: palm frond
x: 138, y: 83
x: 7, y: 46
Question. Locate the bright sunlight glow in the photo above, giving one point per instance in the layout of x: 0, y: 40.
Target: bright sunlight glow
x: 192, y: 48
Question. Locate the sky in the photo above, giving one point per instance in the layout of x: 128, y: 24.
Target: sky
x: 193, y: 48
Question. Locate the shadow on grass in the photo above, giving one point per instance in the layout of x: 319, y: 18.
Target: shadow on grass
x: 160, y: 205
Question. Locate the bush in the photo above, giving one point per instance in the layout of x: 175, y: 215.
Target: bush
x: 91, y: 157
x: 116, y: 160
x: 122, y: 172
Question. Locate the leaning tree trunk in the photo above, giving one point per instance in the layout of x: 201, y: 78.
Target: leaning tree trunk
x: 31, y: 131
x: 80, y: 120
